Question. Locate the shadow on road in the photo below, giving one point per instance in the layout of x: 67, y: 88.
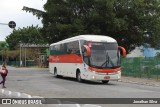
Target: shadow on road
x: 84, y: 81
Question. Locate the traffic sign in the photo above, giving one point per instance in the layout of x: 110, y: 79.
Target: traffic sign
x: 12, y: 24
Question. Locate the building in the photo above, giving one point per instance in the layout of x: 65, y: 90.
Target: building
x: 143, y: 52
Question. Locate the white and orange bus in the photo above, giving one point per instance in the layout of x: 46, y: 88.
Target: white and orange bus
x: 86, y: 57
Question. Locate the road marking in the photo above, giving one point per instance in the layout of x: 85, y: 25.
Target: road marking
x: 29, y: 96
x: 24, y: 95
x: 18, y: 94
x: 9, y: 93
x: 90, y: 105
x: 2, y: 91
x: 78, y: 105
x: 37, y: 97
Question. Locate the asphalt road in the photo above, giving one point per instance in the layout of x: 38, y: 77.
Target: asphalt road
x: 39, y: 82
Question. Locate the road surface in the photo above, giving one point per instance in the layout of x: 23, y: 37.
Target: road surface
x: 39, y: 82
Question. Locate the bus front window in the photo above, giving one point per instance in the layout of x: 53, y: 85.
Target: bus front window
x: 104, y: 55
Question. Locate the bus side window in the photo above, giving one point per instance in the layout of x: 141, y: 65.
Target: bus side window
x: 63, y: 48
x: 78, y: 52
x: 69, y: 51
x: 73, y: 47
x: 52, y: 50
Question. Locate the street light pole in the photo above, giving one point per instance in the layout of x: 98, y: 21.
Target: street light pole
x: 11, y: 24
x: 3, y: 24
x: 20, y: 55
x: 25, y: 56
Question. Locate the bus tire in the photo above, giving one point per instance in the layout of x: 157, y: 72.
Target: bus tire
x: 78, y: 76
x: 105, y: 81
x: 55, y: 72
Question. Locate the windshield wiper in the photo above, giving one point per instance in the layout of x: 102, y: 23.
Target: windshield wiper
x: 111, y: 61
x: 108, y: 59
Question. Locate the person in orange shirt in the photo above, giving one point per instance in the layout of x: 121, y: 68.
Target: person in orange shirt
x: 3, y: 75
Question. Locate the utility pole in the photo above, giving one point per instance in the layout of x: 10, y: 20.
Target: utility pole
x: 20, y: 62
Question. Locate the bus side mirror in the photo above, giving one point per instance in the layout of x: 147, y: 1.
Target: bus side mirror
x: 86, y: 51
x: 122, y: 50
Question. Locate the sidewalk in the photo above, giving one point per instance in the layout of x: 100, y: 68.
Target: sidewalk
x: 142, y: 81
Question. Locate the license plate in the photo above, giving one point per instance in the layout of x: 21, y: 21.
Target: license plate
x: 107, y: 77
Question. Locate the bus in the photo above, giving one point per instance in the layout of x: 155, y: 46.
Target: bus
x: 87, y: 57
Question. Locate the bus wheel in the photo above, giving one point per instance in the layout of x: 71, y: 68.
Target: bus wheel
x: 55, y: 73
x: 78, y: 76
x: 105, y: 81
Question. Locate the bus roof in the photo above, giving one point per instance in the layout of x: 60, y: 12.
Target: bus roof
x: 94, y: 38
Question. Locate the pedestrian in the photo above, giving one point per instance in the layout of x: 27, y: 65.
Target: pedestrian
x: 4, y: 74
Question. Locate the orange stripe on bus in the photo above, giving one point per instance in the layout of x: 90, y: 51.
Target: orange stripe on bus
x: 69, y: 58
x: 105, y: 70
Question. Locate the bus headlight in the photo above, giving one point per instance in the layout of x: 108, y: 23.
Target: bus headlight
x: 93, y: 77
x: 92, y: 71
x: 119, y: 76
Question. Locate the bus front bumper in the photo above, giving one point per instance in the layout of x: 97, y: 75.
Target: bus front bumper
x: 95, y: 76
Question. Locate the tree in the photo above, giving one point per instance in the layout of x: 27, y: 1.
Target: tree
x: 3, y: 45
x: 25, y: 35
x: 158, y: 54
x: 128, y: 21
x: 37, y: 13
x: 3, y: 50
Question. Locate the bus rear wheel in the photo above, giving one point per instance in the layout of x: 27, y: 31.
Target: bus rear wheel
x: 105, y: 81
x: 55, y: 73
x: 78, y: 76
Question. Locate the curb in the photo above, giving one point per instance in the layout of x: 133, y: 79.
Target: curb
x: 140, y: 83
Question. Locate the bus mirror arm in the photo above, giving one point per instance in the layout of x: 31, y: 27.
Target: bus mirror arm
x: 122, y: 49
x: 88, y: 50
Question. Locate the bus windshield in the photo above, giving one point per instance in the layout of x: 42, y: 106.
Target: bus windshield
x: 104, y: 55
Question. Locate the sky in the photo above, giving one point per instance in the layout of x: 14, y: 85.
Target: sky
x: 11, y: 10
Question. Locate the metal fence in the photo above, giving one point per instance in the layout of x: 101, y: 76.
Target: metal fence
x: 135, y: 67
x: 17, y: 63
x: 141, y: 67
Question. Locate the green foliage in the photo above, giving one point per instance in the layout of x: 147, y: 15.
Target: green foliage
x: 25, y: 35
x: 37, y: 13
x: 3, y: 45
x: 128, y: 21
x: 3, y: 50
x: 158, y: 54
